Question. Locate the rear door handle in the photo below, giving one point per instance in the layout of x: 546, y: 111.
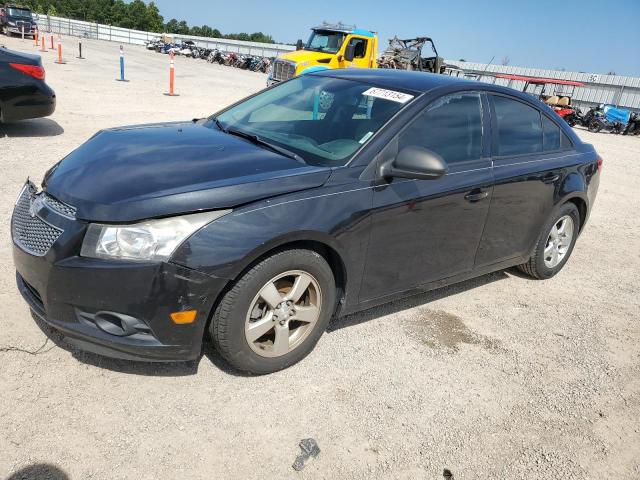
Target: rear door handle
x: 550, y: 178
x: 476, y: 195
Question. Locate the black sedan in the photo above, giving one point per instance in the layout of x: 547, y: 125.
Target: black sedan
x: 23, y: 91
x: 327, y: 194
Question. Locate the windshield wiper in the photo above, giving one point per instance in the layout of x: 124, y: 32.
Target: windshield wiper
x: 219, y: 125
x: 259, y: 141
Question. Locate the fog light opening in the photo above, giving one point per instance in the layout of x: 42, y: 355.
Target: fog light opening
x: 111, y: 324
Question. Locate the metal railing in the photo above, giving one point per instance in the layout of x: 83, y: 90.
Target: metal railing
x: 97, y: 31
x: 610, y: 89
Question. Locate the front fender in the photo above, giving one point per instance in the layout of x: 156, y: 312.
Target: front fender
x: 336, y: 217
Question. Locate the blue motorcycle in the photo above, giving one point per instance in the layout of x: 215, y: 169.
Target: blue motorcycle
x: 609, y: 118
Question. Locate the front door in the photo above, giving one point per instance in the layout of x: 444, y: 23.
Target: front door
x: 362, y: 53
x: 427, y: 230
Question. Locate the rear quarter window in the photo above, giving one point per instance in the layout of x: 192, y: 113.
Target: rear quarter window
x: 551, y: 134
x: 565, y: 142
x: 519, y: 127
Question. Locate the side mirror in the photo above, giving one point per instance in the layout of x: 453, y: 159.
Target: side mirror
x: 350, y: 53
x: 416, y: 163
x: 299, y: 45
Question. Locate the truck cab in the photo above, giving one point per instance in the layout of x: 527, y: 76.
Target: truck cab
x: 329, y: 47
x: 14, y: 18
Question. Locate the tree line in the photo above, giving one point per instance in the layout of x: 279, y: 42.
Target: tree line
x: 135, y: 15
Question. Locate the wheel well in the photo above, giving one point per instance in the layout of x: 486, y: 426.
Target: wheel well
x: 329, y: 254
x: 581, y: 205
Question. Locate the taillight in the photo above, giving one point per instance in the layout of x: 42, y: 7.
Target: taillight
x: 599, y: 163
x: 34, y: 71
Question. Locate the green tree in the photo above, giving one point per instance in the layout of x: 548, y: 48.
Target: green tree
x: 131, y: 14
x: 155, y: 21
x: 172, y: 26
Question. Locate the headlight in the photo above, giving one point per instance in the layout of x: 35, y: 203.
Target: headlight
x: 12, y: 24
x: 152, y: 240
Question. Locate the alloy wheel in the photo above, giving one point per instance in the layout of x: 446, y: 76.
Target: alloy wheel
x: 559, y: 241
x: 283, y: 313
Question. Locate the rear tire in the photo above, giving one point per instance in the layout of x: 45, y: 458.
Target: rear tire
x: 553, y: 248
x: 261, y: 329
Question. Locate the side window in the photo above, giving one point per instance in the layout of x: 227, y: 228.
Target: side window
x: 360, y: 44
x: 551, y: 133
x: 519, y: 127
x: 565, y: 142
x: 451, y: 127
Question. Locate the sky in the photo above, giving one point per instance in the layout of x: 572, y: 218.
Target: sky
x: 595, y: 36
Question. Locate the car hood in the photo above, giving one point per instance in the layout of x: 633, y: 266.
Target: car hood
x: 298, y: 56
x: 133, y: 173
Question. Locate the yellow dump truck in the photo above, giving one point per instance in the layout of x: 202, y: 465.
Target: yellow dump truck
x: 329, y: 46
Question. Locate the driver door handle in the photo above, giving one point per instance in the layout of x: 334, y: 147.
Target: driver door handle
x: 476, y: 195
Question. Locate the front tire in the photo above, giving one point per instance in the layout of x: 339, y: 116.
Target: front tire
x: 555, y: 243
x: 594, y: 126
x: 275, y: 313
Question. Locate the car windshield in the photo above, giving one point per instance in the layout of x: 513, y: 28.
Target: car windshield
x: 19, y: 12
x: 325, y: 41
x: 321, y: 119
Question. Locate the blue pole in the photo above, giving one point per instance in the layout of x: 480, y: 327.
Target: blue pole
x: 121, y: 64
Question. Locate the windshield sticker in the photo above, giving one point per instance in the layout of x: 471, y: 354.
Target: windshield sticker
x: 366, y: 137
x: 388, y: 95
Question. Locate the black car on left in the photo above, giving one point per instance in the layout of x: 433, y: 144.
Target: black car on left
x: 23, y: 91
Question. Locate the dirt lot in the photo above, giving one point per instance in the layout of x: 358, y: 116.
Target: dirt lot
x: 499, y: 377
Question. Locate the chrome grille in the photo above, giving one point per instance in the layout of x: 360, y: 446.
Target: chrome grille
x: 31, y: 233
x: 283, y: 70
x: 58, y: 206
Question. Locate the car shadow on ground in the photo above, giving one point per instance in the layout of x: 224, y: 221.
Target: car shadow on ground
x: 415, y: 300
x: 37, y: 127
x: 179, y: 369
x: 39, y: 471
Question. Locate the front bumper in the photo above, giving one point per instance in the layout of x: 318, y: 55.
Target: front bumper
x: 74, y: 295
x: 271, y: 81
x: 18, y: 30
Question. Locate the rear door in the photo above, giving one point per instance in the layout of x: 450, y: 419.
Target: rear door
x: 427, y: 230
x: 528, y: 150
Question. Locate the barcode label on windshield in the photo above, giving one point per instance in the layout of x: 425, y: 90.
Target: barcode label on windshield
x: 388, y: 95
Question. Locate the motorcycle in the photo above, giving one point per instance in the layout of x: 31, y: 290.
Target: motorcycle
x: 215, y: 56
x: 230, y: 59
x: 633, y: 127
x: 575, y: 118
x: 608, y: 118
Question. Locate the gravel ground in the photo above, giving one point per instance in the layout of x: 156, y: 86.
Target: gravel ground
x: 497, y: 377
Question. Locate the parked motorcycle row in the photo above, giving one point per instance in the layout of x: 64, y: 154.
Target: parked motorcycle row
x: 212, y: 55
x: 607, y: 118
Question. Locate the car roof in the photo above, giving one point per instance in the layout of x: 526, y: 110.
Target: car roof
x: 419, y: 82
